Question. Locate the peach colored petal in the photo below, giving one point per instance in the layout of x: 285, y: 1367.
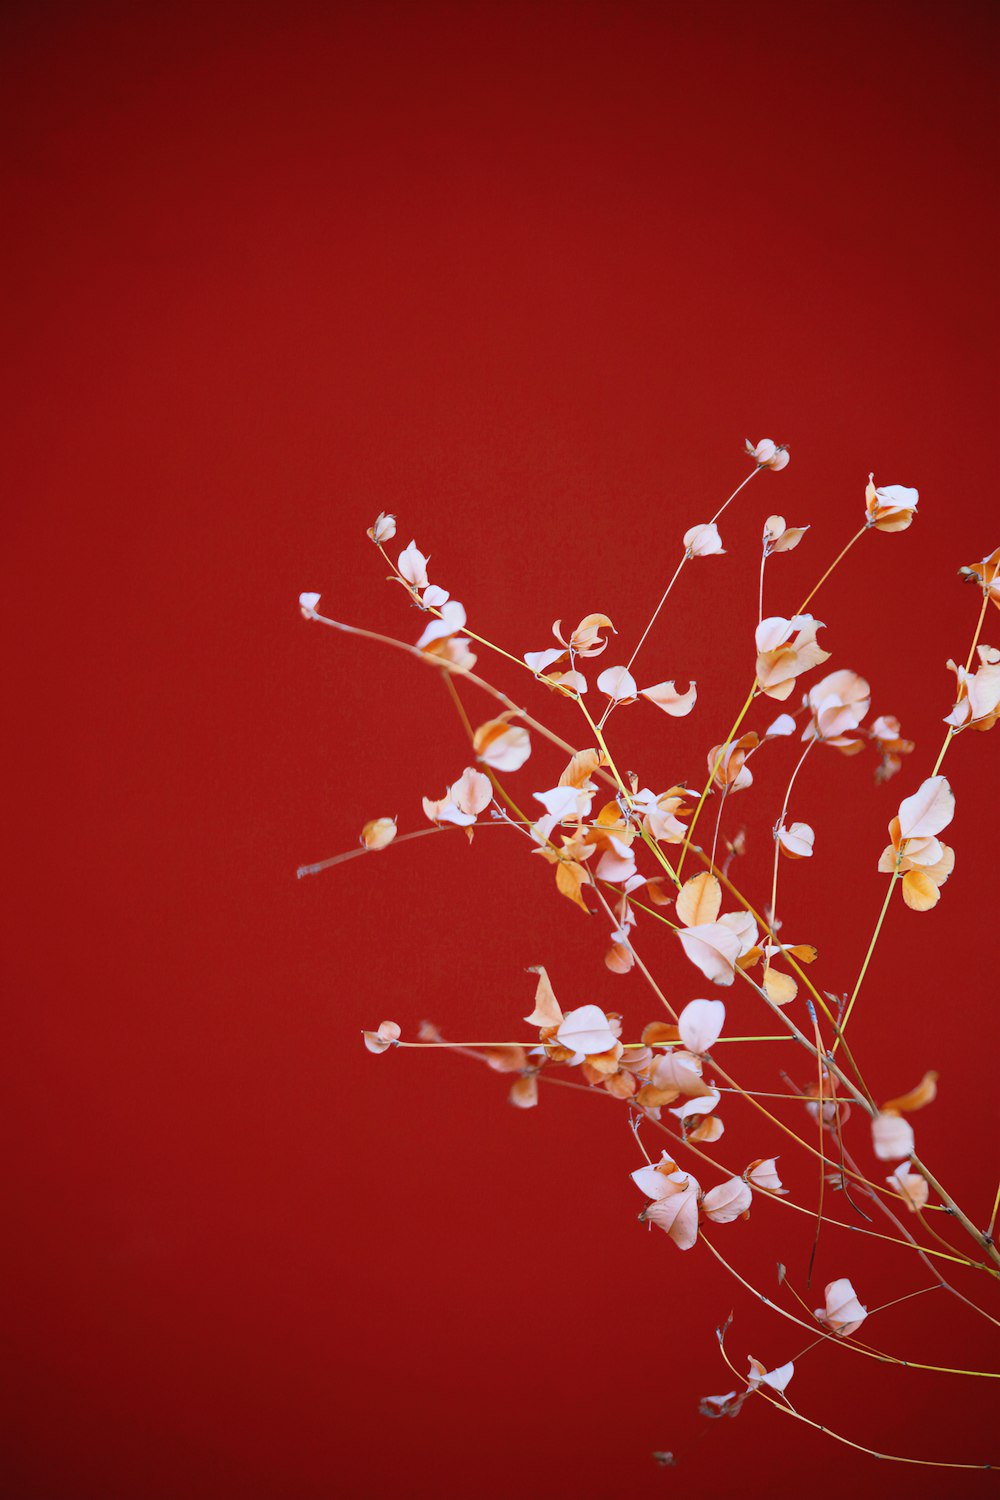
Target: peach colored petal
x: 524, y: 1091
x: 699, y: 900
x: 666, y: 696
x: 381, y: 1040
x: 917, y: 1098
x: 796, y: 841
x: 377, y: 833
x: 843, y: 1313
x: 892, y: 1136
x: 729, y: 1201
x: 712, y: 948
x: 547, y: 1011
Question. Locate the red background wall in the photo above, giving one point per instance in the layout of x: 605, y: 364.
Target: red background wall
x: 527, y: 275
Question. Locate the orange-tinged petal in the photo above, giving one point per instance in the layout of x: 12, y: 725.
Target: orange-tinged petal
x: 524, y: 1091
x: 378, y: 833
x: 919, y: 891
x: 729, y: 1201
x: 547, y: 1011
x: 699, y: 900
x: 917, y: 1098
x: 779, y: 988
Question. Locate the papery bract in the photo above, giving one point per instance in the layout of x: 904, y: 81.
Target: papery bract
x: 727, y: 763
x: 928, y: 811
x: 524, y: 1091
x: 586, y: 1030
x: 672, y: 702
x: 700, y: 1024
x: 910, y: 1185
x: 699, y: 900
x: 383, y: 530
x: 703, y: 540
x: 677, y: 1215
x: 762, y: 1174
x: 843, y: 1313
x: 768, y: 454
x: 781, y: 538
x: 450, y: 622
x: 412, y: 565
x: 977, y: 702
x: 377, y: 833
x: 890, y: 508
x: 919, y: 1097
x: 729, y: 1201
x: 785, y: 649
x: 381, y: 1040
x: 714, y: 949
x: 586, y: 639
x: 619, y: 684
x: 547, y: 1011
x: 501, y: 745
x: 796, y: 841
x: 987, y: 574
x: 837, y: 705
x: 892, y: 1136
x: 776, y: 1379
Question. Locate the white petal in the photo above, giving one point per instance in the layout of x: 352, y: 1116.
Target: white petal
x: 700, y: 1024
x: 618, y: 683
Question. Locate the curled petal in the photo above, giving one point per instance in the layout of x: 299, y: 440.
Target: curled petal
x: 703, y: 540
x: 308, y: 603
x: 539, y: 660
x: 843, y: 1313
x: 796, y: 841
x: 501, y: 745
x: 383, y: 530
x: 677, y: 1216
x: 547, y: 1011
x: 891, y: 507
x: 776, y: 1379
x: 729, y: 1201
x: 762, y: 1174
x: 666, y: 696
x: 381, y: 1040
x: 918, y: 1098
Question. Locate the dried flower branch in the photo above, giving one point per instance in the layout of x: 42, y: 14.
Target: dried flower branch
x: 604, y: 837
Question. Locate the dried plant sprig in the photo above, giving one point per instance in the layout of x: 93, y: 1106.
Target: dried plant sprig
x: 597, y: 855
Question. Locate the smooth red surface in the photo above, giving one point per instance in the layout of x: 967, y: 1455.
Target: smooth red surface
x: 526, y: 275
